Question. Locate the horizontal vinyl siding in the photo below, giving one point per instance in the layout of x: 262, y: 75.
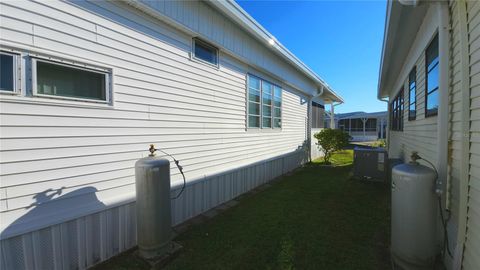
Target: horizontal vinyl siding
x: 455, y: 129
x: 189, y: 109
x: 205, y: 20
x: 418, y: 135
x: 82, y: 242
x: 472, y: 244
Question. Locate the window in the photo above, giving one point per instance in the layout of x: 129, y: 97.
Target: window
x: 432, y: 71
x: 67, y: 81
x: 264, y: 104
x: 396, y: 112
x: 205, y: 52
x: 7, y: 72
x: 412, y: 96
x: 277, y: 107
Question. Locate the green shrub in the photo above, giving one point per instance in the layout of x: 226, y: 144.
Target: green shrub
x: 331, y: 140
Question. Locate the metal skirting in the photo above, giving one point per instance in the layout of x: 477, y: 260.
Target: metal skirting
x: 88, y: 240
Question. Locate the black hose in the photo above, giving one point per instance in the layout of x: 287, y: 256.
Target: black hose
x: 180, y: 168
x: 446, y: 245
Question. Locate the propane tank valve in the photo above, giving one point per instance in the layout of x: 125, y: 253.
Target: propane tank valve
x: 152, y: 150
x: 414, y: 157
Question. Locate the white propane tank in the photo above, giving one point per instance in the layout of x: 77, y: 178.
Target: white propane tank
x: 414, y: 215
x: 154, y: 233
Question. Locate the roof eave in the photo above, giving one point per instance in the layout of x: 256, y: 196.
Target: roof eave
x: 401, y: 25
x: 231, y: 9
x: 385, y: 34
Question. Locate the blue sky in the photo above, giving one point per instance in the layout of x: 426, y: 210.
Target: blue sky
x: 340, y: 40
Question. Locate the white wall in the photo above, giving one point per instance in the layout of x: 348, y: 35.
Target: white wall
x: 189, y: 109
x: 465, y: 134
x: 316, y: 149
x: 203, y: 19
x: 420, y: 134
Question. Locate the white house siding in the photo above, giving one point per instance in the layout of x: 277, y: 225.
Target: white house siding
x: 191, y: 110
x: 421, y: 134
x: 316, y: 150
x: 464, y: 69
x: 471, y: 258
x: 455, y: 136
x: 203, y: 19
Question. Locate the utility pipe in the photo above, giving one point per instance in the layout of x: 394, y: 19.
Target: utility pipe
x: 442, y: 185
x: 442, y: 118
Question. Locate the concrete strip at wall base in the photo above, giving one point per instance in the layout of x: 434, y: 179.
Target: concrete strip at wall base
x: 91, y: 239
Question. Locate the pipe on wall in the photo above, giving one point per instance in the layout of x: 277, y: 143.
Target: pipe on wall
x: 443, y: 111
x: 443, y: 185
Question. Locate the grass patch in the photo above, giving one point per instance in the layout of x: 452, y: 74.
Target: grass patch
x: 339, y: 158
x: 316, y: 218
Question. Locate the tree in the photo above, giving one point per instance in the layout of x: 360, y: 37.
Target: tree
x: 331, y: 140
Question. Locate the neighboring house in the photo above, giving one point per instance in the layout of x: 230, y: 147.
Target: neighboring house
x: 361, y: 126
x: 86, y: 86
x: 430, y: 76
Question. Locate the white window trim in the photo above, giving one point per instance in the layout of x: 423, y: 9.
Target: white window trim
x: 107, y: 73
x: 16, y: 74
x: 201, y: 61
x: 281, y: 107
x: 260, y: 127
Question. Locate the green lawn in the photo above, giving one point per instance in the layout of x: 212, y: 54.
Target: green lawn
x: 340, y: 158
x: 316, y: 218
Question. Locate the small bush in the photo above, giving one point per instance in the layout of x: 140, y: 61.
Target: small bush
x: 331, y: 140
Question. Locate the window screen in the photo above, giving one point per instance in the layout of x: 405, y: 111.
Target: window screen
x: 60, y: 80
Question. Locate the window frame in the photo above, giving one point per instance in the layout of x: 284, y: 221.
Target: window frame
x: 414, y: 103
x: 260, y: 127
x: 206, y: 44
x: 16, y: 73
x: 76, y: 65
x: 273, y: 107
x: 427, y: 112
x: 396, y: 111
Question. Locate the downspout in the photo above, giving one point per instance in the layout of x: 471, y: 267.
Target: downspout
x: 442, y: 185
x: 310, y: 119
x: 443, y: 111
